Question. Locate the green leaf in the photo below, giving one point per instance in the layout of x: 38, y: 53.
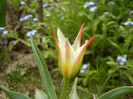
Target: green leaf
x: 13, y: 95
x: 40, y: 94
x: 73, y: 94
x: 115, y: 93
x: 46, y: 78
x: 116, y: 45
x: 3, y: 9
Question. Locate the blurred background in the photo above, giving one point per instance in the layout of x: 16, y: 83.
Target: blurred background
x: 108, y: 61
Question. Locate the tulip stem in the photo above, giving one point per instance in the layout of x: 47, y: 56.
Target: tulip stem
x: 65, y: 86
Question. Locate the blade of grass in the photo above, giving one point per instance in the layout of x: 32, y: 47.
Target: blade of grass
x: 46, y: 78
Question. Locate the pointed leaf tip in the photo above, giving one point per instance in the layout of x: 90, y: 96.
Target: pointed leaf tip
x: 73, y: 94
x: 12, y: 94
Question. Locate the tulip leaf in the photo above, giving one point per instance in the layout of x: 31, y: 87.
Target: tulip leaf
x: 73, y: 94
x: 39, y: 94
x: 115, y: 93
x: 46, y: 78
x: 13, y: 95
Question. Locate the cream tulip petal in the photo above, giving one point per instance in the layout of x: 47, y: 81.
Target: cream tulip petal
x: 63, y: 56
x: 80, y: 56
x: 61, y: 37
x: 58, y: 49
x: 77, y: 41
x: 70, y: 58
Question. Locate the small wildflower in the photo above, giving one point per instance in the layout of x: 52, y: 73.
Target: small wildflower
x: 1, y: 29
x: 33, y: 32
x: 112, y: 3
x: 35, y: 19
x: 127, y: 23
x: 5, y: 32
x: 22, y: 3
x: 47, y: 15
x: 28, y: 17
x: 119, y: 57
x: 62, y: 18
x: 92, y: 9
x: 121, y: 63
x: 87, y: 4
x: 121, y: 60
x: 106, y: 13
x: 21, y: 19
x: 82, y: 71
x: 46, y: 5
x: 84, y: 66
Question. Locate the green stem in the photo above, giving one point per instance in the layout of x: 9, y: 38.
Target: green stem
x: 65, y: 85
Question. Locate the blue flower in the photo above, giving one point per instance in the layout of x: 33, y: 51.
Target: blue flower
x: 33, y: 32
x: 84, y: 66
x: 119, y: 57
x: 82, y: 71
x: 92, y: 9
x: 127, y: 23
x: 35, y: 19
x: 121, y: 60
x: 2, y: 28
x: 47, y: 15
x: 28, y: 17
x: 107, y: 13
x: 87, y: 4
x: 62, y: 18
x: 5, y: 32
x: 112, y: 3
x: 21, y: 19
x: 22, y: 3
x: 46, y: 5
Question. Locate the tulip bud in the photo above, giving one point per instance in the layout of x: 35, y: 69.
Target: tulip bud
x: 70, y: 56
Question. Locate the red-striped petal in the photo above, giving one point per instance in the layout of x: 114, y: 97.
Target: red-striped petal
x: 77, y: 41
x: 80, y: 56
x: 58, y: 48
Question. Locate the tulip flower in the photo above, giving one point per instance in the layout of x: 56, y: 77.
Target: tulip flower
x: 70, y: 56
